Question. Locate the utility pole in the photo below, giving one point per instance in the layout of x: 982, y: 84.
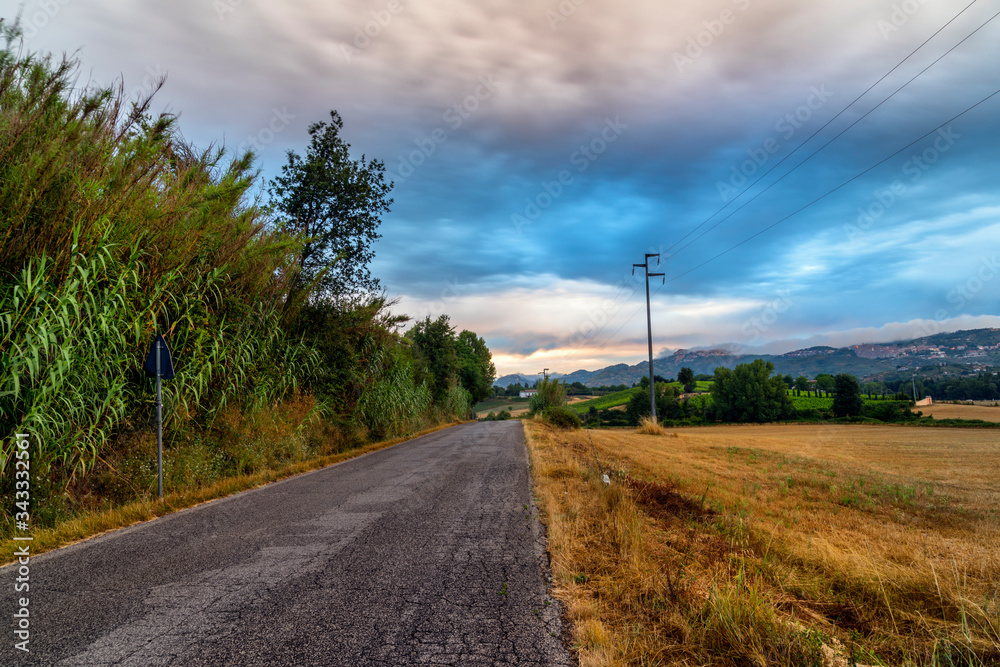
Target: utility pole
x: 913, y: 379
x: 649, y: 326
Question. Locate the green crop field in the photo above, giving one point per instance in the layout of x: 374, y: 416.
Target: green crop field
x: 811, y: 403
x: 623, y: 397
x: 497, y: 404
x: 820, y: 403
x: 604, y: 402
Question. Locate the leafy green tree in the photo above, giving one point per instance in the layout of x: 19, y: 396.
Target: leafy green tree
x: 475, y: 365
x: 334, y: 203
x: 847, y: 400
x: 801, y: 383
x: 748, y: 393
x: 789, y: 381
x: 433, y: 346
x: 667, y: 405
x: 825, y: 382
x: 686, y: 378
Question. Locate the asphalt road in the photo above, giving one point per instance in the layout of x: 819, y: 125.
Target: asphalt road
x: 427, y: 552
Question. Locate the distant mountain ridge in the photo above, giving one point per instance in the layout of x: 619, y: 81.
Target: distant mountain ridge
x: 976, y: 348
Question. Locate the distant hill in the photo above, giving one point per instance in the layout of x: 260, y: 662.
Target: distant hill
x: 978, y: 348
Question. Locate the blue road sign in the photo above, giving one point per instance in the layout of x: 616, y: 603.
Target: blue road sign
x: 166, y: 366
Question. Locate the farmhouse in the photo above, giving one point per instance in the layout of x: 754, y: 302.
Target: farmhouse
x: 528, y: 393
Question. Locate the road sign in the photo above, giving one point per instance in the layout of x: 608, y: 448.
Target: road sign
x: 165, y: 369
x: 160, y: 366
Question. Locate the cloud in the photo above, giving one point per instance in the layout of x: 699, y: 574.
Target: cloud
x: 698, y: 89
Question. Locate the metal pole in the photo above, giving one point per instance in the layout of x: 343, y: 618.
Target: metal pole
x: 159, y: 426
x: 913, y: 379
x: 649, y: 339
x: 649, y: 330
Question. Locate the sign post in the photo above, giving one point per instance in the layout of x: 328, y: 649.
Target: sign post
x: 161, y: 366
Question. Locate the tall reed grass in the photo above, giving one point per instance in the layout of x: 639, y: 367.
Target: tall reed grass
x: 112, y: 229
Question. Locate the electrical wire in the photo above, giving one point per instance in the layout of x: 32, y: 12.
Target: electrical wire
x: 835, y: 137
x: 839, y: 187
x: 842, y: 111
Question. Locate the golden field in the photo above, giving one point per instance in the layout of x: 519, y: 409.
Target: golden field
x: 952, y: 411
x: 775, y: 545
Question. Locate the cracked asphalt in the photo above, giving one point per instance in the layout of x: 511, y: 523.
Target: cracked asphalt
x: 428, y: 552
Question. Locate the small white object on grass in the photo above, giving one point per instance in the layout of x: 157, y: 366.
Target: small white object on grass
x: 607, y: 480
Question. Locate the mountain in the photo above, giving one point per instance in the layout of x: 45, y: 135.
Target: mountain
x: 976, y: 349
x: 528, y: 380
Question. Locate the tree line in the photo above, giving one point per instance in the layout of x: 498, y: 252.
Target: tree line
x: 750, y: 393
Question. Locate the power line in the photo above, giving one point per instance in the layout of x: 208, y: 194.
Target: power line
x: 813, y: 154
x: 842, y: 111
x: 834, y: 138
x: 812, y: 203
x: 632, y: 317
x: 842, y: 185
x: 597, y: 332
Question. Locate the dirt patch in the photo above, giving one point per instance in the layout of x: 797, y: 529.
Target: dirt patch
x: 663, y: 501
x: 843, y: 616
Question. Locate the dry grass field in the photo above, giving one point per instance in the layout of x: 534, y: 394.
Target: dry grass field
x: 950, y: 411
x: 775, y: 545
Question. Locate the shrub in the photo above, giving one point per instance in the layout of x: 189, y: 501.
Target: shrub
x: 551, y: 393
x: 562, y: 417
x: 889, y: 411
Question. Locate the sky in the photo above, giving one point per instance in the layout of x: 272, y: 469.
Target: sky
x: 809, y: 172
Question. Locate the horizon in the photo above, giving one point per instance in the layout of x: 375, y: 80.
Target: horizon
x: 530, y: 175
x: 665, y: 354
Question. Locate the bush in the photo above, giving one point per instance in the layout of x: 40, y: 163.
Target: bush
x: 503, y: 415
x: 562, y: 417
x: 551, y: 393
x: 809, y: 415
x: 889, y: 411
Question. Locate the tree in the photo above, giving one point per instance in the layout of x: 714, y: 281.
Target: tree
x: 825, y: 382
x: 667, y: 405
x: 476, y: 371
x: 789, y: 381
x: 433, y: 346
x: 801, y: 383
x: 847, y: 401
x: 334, y: 203
x: 748, y: 393
x: 686, y: 378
